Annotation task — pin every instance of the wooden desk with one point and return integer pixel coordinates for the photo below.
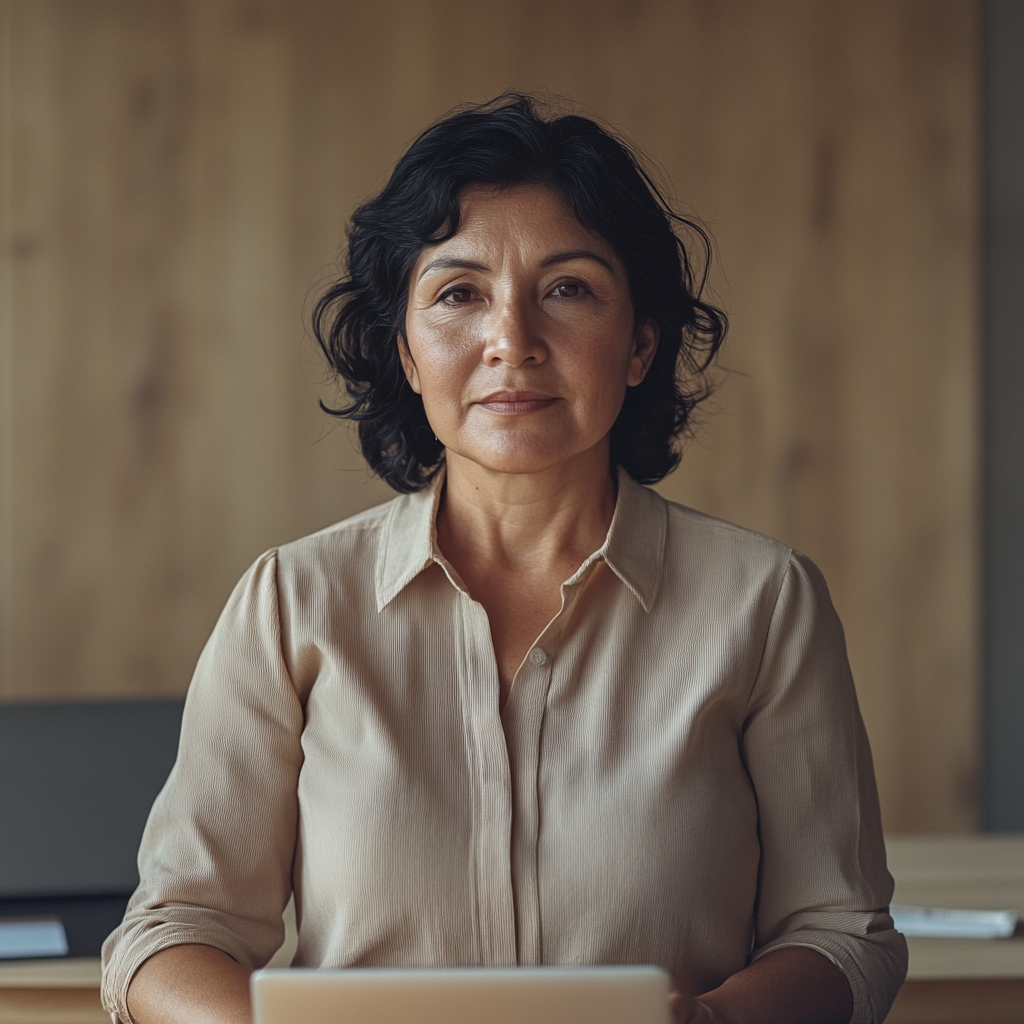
(961, 981)
(951, 981)
(68, 991)
(51, 992)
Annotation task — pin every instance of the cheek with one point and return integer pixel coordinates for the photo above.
(608, 394)
(601, 373)
(443, 368)
(440, 357)
(443, 375)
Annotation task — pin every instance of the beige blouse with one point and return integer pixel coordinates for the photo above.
(680, 774)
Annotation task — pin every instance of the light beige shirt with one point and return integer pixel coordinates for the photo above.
(680, 774)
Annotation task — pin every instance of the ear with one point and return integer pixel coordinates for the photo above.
(412, 375)
(645, 344)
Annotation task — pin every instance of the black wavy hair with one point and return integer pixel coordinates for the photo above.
(602, 180)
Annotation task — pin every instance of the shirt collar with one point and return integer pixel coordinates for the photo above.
(634, 548)
(408, 541)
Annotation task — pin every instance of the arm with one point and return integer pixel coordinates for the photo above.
(190, 985)
(216, 857)
(823, 883)
(792, 984)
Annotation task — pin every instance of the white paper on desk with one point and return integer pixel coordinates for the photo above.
(28, 937)
(936, 923)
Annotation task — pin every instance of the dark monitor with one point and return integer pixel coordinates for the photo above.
(76, 785)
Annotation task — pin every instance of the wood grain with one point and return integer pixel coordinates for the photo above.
(51, 1006)
(989, 1001)
(176, 180)
(979, 872)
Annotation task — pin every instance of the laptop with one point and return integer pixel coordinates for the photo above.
(475, 995)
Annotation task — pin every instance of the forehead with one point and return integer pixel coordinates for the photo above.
(528, 218)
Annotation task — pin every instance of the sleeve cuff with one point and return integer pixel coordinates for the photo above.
(875, 965)
(121, 965)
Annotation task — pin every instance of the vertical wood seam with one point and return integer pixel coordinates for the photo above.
(6, 352)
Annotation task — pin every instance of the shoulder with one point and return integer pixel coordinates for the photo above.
(699, 539)
(741, 566)
(731, 571)
(688, 558)
(769, 600)
(352, 533)
(339, 560)
(710, 528)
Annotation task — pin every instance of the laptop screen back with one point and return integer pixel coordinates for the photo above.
(523, 995)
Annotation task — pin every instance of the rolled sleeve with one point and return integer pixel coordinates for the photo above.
(216, 857)
(823, 882)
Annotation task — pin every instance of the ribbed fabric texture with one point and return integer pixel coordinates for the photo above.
(680, 774)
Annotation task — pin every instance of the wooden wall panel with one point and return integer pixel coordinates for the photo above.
(176, 178)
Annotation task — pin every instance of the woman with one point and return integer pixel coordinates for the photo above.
(528, 712)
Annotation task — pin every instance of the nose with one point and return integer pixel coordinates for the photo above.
(513, 337)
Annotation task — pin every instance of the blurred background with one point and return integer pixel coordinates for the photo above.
(176, 178)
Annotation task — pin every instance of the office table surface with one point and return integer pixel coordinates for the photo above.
(951, 981)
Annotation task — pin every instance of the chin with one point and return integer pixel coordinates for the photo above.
(521, 457)
(516, 466)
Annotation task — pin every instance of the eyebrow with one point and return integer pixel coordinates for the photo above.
(451, 263)
(454, 263)
(576, 254)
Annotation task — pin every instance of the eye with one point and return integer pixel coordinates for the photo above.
(567, 290)
(457, 296)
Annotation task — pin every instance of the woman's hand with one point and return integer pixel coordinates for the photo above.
(688, 1010)
(794, 984)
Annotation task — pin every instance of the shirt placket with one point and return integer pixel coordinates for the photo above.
(523, 718)
(503, 750)
(492, 792)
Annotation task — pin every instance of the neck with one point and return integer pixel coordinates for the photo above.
(511, 521)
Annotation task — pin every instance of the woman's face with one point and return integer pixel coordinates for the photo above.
(520, 333)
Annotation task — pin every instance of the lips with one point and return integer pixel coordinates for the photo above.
(516, 403)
